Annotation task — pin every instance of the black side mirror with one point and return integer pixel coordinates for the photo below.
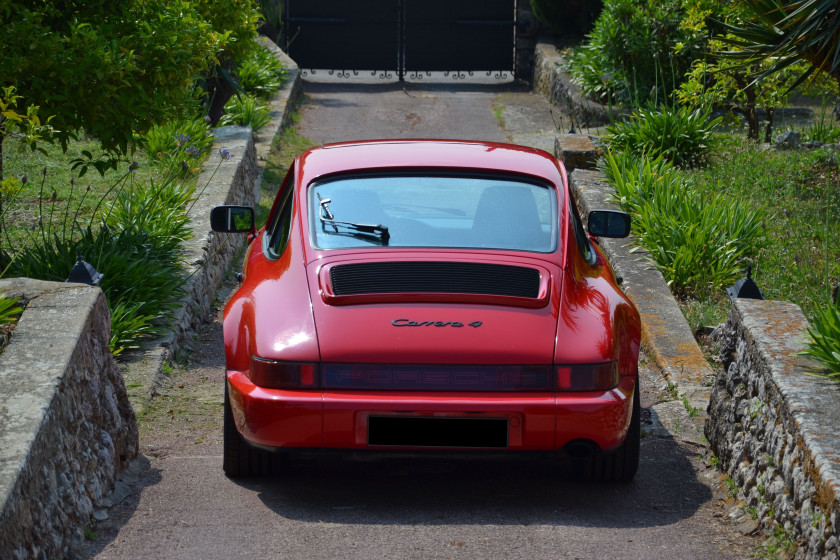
(609, 223)
(232, 219)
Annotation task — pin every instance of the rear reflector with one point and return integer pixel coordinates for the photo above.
(398, 377)
(587, 377)
(272, 374)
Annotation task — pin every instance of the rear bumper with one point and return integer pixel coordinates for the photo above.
(340, 419)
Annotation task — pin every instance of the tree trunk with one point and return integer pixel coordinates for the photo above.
(768, 131)
(752, 122)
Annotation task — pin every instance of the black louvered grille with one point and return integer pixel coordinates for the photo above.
(435, 277)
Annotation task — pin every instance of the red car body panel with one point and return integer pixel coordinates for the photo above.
(285, 310)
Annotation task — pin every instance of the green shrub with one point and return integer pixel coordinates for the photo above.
(245, 110)
(134, 241)
(697, 242)
(177, 141)
(631, 54)
(679, 134)
(111, 68)
(824, 343)
(261, 74)
(235, 22)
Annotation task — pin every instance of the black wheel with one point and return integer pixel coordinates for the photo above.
(239, 458)
(621, 464)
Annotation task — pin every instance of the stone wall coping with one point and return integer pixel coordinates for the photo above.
(666, 334)
(58, 317)
(66, 425)
(775, 428)
(208, 255)
(31, 366)
(551, 81)
(777, 329)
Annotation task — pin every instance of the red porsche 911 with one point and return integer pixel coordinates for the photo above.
(420, 295)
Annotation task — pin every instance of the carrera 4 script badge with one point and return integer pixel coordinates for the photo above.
(456, 324)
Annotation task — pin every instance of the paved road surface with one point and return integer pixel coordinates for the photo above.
(182, 506)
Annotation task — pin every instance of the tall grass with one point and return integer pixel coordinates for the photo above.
(246, 110)
(700, 243)
(681, 135)
(261, 74)
(134, 240)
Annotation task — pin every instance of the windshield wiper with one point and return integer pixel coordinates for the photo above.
(361, 231)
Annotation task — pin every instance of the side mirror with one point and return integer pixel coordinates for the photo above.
(609, 223)
(232, 219)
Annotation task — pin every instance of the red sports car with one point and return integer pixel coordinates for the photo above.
(418, 295)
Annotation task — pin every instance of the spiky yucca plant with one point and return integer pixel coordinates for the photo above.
(790, 32)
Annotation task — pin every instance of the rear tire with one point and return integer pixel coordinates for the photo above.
(240, 459)
(621, 464)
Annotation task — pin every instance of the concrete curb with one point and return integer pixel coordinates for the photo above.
(208, 256)
(666, 335)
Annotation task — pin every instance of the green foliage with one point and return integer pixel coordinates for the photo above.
(631, 54)
(236, 22)
(182, 143)
(112, 68)
(824, 129)
(136, 245)
(680, 135)
(783, 34)
(27, 124)
(697, 242)
(824, 343)
(723, 80)
(9, 309)
(245, 110)
(261, 74)
(800, 260)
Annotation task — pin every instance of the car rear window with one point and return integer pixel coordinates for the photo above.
(483, 212)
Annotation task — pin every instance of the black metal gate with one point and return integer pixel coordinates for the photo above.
(399, 38)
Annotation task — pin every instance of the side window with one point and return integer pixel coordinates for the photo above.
(278, 231)
(580, 235)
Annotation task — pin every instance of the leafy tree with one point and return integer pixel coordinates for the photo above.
(112, 68)
(630, 55)
(724, 79)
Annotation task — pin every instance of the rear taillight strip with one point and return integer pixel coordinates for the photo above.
(437, 377)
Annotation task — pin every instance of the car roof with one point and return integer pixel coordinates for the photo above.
(477, 156)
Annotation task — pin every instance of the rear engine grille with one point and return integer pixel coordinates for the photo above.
(438, 432)
(435, 277)
(397, 377)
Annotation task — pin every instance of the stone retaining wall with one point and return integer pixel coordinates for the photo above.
(775, 429)
(66, 426)
(557, 86)
(234, 179)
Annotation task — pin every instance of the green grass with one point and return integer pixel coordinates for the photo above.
(51, 172)
(776, 211)
(800, 192)
(128, 225)
(286, 147)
